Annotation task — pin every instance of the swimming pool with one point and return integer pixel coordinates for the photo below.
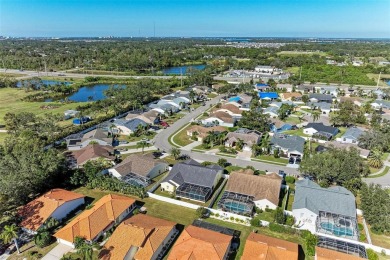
(236, 207)
(338, 231)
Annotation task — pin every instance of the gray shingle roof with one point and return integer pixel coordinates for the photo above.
(289, 142)
(353, 133)
(336, 199)
(321, 105)
(320, 127)
(321, 97)
(131, 124)
(193, 172)
(274, 110)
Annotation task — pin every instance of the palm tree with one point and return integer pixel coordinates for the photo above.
(10, 233)
(192, 95)
(315, 115)
(375, 158)
(86, 250)
(240, 144)
(142, 144)
(175, 152)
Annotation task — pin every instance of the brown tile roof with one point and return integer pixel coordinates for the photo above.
(93, 151)
(232, 108)
(277, 122)
(288, 95)
(258, 246)
(223, 116)
(142, 231)
(248, 138)
(138, 164)
(327, 254)
(94, 220)
(261, 187)
(199, 243)
(36, 212)
(203, 131)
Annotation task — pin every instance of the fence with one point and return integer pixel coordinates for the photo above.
(173, 201)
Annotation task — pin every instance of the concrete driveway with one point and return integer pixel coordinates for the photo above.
(57, 252)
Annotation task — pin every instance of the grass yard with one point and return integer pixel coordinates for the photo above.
(298, 132)
(380, 240)
(232, 168)
(11, 101)
(28, 249)
(292, 120)
(342, 131)
(290, 201)
(374, 170)
(76, 256)
(293, 70)
(267, 216)
(181, 138)
(272, 159)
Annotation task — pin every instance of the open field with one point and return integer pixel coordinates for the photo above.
(381, 82)
(11, 101)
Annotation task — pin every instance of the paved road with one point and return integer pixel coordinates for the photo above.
(383, 180)
(161, 142)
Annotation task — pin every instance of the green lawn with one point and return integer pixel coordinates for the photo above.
(27, 249)
(232, 168)
(267, 216)
(298, 132)
(181, 138)
(271, 158)
(341, 132)
(10, 101)
(149, 136)
(292, 120)
(290, 201)
(2, 137)
(373, 170)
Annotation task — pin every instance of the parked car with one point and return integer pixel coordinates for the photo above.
(164, 124)
(291, 160)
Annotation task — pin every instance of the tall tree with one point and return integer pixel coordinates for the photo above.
(10, 233)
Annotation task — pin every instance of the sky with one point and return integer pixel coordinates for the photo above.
(195, 18)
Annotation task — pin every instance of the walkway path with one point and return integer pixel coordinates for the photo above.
(191, 146)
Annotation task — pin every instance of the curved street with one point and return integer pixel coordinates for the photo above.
(161, 142)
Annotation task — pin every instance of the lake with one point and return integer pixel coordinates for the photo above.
(94, 91)
(182, 69)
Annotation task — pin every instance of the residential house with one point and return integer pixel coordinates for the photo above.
(200, 243)
(150, 117)
(268, 95)
(320, 130)
(91, 152)
(57, 204)
(261, 87)
(380, 104)
(263, 247)
(288, 145)
(231, 109)
(272, 111)
(248, 137)
(324, 107)
(139, 237)
(127, 127)
(80, 141)
(305, 88)
(92, 223)
(351, 135)
(320, 98)
(70, 114)
(245, 191)
(201, 132)
(327, 254)
(138, 169)
(325, 210)
(278, 126)
(220, 118)
(291, 96)
(191, 180)
(323, 148)
(170, 102)
(280, 104)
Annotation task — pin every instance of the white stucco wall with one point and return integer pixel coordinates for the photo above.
(166, 186)
(309, 131)
(157, 170)
(67, 207)
(262, 204)
(114, 173)
(61, 241)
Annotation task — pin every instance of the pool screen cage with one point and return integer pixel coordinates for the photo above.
(193, 192)
(342, 246)
(236, 203)
(136, 180)
(336, 223)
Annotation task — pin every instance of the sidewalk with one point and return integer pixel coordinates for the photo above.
(57, 252)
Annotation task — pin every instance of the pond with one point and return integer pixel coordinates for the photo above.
(182, 69)
(90, 93)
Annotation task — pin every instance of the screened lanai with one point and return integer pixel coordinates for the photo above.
(337, 225)
(236, 203)
(193, 192)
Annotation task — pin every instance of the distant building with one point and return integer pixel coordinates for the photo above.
(351, 135)
(265, 69)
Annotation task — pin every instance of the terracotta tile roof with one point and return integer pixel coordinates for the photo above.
(36, 212)
(138, 164)
(223, 116)
(258, 246)
(261, 187)
(200, 243)
(94, 220)
(93, 151)
(327, 254)
(142, 231)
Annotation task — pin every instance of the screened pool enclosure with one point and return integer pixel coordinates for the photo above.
(337, 225)
(236, 203)
(193, 192)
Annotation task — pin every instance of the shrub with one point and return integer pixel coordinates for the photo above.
(280, 218)
(237, 220)
(362, 238)
(290, 220)
(217, 215)
(232, 218)
(290, 179)
(136, 211)
(360, 226)
(267, 209)
(43, 239)
(372, 255)
(255, 222)
(258, 210)
(310, 243)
